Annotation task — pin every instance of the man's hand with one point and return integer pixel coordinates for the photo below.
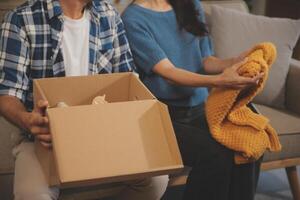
(38, 124)
(12, 109)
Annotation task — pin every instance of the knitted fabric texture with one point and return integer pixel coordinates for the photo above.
(235, 125)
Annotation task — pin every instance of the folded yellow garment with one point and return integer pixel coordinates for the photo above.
(232, 123)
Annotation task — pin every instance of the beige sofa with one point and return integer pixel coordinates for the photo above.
(286, 122)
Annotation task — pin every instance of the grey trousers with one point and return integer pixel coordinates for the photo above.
(30, 184)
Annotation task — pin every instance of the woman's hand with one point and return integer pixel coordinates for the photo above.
(230, 78)
(214, 65)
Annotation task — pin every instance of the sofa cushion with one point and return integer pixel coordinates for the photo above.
(233, 32)
(8, 136)
(287, 125)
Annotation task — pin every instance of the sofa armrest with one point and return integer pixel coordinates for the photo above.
(293, 87)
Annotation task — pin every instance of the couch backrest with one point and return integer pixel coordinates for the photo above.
(238, 5)
(234, 4)
(7, 5)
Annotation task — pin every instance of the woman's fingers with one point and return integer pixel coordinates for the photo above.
(232, 79)
(258, 77)
(253, 80)
(245, 81)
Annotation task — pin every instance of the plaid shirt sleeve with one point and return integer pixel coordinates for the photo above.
(14, 58)
(122, 58)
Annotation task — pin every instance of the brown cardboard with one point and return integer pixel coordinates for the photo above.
(130, 137)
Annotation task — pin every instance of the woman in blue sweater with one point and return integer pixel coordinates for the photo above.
(173, 54)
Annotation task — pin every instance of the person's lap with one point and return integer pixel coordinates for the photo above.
(30, 183)
(29, 180)
(214, 174)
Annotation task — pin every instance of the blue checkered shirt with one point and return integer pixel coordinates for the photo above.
(30, 45)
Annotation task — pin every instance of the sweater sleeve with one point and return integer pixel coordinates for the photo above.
(146, 51)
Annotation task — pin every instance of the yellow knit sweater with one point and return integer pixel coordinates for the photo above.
(232, 123)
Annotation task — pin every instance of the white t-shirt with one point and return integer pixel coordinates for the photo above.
(75, 45)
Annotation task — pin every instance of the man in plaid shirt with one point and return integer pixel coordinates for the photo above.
(44, 38)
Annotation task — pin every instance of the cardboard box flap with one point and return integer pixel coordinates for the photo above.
(133, 138)
(117, 87)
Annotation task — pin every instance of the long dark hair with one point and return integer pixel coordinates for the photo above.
(188, 17)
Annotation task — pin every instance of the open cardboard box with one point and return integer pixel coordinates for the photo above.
(130, 137)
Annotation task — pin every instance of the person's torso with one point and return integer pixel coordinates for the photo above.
(75, 45)
(181, 48)
(42, 23)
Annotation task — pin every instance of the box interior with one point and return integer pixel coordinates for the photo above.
(76, 91)
(148, 146)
